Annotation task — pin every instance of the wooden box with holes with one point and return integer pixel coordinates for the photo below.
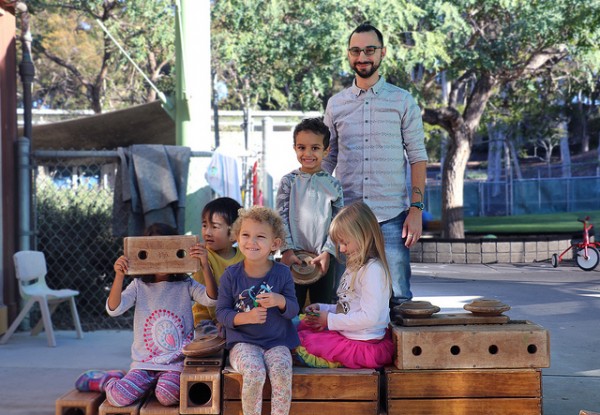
(468, 369)
(516, 344)
(160, 254)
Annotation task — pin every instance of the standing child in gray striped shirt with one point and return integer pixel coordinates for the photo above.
(307, 200)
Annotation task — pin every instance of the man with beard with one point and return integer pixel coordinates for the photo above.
(376, 134)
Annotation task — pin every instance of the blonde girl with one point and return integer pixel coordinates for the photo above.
(256, 305)
(354, 332)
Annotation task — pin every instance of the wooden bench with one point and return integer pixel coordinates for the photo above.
(463, 392)
(314, 391)
(76, 402)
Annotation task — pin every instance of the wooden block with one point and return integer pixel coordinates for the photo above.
(315, 384)
(479, 406)
(151, 406)
(450, 319)
(74, 401)
(517, 344)
(586, 412)
(312, 408)
(160, 254)
(465, 383)
(107, 409)
(209, 362)
(200, 390)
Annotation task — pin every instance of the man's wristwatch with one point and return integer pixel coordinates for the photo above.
(418, 205)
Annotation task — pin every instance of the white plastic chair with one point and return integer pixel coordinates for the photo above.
(30, 269)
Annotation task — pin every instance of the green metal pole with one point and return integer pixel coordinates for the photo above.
(192, 105)
(193, 75)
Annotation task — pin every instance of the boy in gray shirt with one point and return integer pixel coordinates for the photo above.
(307, 200)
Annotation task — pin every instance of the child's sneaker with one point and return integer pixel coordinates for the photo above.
(95, 380)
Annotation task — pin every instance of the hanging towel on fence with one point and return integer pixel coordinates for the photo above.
(223, 174)
(150, 186)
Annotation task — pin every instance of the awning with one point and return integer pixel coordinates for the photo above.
(141, 124)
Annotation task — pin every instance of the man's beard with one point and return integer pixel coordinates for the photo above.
(365, 74)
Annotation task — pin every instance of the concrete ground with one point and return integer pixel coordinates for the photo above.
(565, 300)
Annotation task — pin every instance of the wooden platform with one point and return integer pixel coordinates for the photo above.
(516, 344)
(464, 392)
(74, 401)
(314, 391)
(151, 406)
(107, 409)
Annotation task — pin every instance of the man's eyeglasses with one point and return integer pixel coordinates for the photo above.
(369, 50)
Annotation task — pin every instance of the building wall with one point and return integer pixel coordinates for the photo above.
(8, 136)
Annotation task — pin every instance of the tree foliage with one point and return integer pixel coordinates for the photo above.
(277, 54)
(460, 58)
(78, 64)
(492, 45)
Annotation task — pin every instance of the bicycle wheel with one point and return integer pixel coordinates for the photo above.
(592, 260)
(554, 260)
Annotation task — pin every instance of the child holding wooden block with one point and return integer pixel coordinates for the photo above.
(163, 324)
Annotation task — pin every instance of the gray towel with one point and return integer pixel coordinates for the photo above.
(151, 187)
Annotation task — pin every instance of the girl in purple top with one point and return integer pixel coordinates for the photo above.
(256, 305)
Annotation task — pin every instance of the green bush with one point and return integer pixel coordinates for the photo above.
(74, 230)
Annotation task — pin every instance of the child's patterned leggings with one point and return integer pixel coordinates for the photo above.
(135, 384)
(254, 363)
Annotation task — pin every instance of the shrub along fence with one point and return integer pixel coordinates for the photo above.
(72, 206)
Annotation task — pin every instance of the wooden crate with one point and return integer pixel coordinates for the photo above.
(107, 409)
(151, 406)
(160, 254)
(464, 392)
(516, 344)
(314, 391)
(86, 403)
(200, 390)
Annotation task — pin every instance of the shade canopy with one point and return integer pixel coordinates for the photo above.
(141, 124)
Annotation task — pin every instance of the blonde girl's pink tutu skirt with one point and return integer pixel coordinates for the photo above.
(331, 349)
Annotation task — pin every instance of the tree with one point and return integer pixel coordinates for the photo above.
(491, 44)
(277, 54)
(79, 63)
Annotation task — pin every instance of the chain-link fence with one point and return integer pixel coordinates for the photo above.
(519, 197)
(73, 222)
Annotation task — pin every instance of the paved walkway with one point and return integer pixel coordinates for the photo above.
(566, 301)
